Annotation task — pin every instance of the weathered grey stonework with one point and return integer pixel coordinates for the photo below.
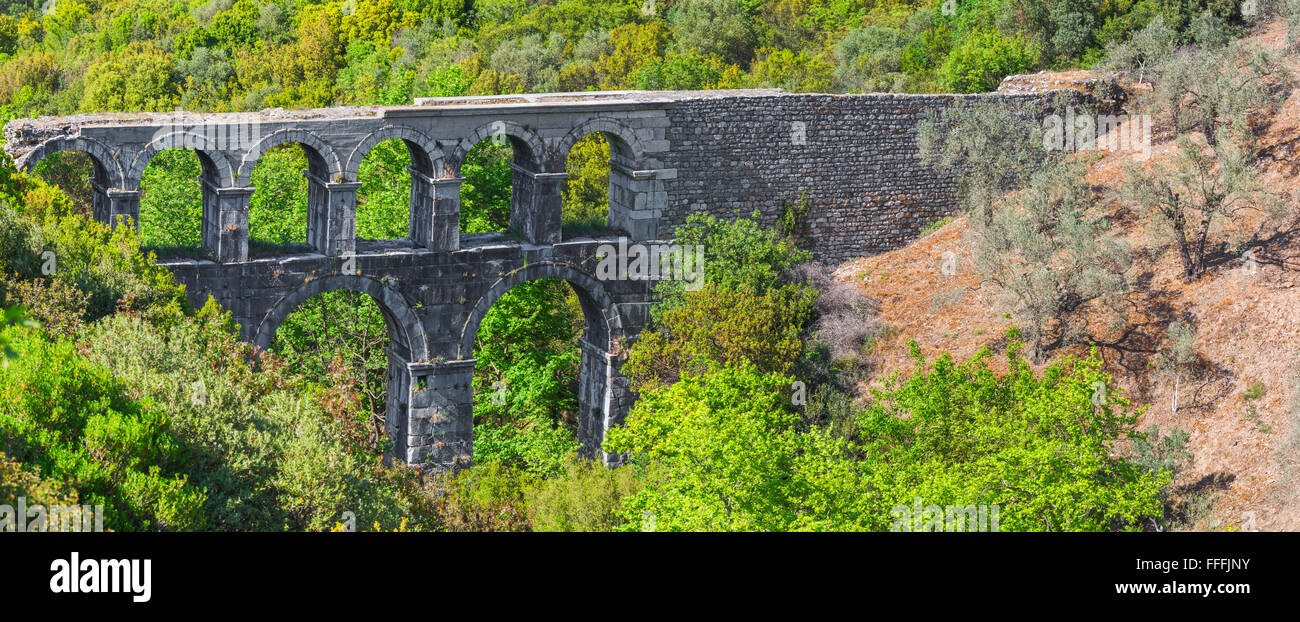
(851, 157)
(433, 302)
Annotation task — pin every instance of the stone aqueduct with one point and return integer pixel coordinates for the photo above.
(851, 158)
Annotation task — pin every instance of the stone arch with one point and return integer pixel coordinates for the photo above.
(602, 398)
(108, 168)
(530, 149)
(426, 157)
(626, 143)
(216, 168)
(321, 159)
(604, 325)
(402, 321)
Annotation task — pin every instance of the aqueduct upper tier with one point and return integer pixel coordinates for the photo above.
(851, 158)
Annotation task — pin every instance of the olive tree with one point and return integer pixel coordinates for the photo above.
(1147, 48)
(1052, 253)
(1209, 89)
(1178, 357)
(1207, 200)
(989, 148)
(1045, 245)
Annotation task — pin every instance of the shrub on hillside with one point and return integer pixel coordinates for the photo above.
(258, 440)
(845, 316)
(738, 254)
(1043, 449)
(718, 326)
(72, 421)
(586, 496)
(981, 60)
(107, 265)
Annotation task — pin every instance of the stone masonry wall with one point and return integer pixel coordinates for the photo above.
(854, 159)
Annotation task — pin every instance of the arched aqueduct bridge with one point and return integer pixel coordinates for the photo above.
(852, 158)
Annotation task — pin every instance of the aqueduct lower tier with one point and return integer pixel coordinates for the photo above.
(851, 158)
(433, 302)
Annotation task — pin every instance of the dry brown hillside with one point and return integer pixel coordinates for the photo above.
(1246, 464)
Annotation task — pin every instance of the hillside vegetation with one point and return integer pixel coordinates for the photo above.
(1014, 358)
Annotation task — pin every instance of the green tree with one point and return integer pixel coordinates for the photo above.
(384, 198)
(795, 72)
(981, 60)
(1043, 449)
(720, 28)
(630, 46)
(12, 316)
(870, 59)
(525, 377)
(485, 193)
(586, 193)
(1146, 50)
(720, 452)
(689, 71)
(137, 78)
(277, 211)
(337, 335)
(990, 149)
(171, 201)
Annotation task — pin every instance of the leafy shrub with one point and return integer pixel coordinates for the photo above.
(1041, 448)
(716, 326)
(587, 496)
(982, 59)
(260, 442)
(487, 497)
(739, 254)
(18, 480)
(107, 265)
(12, 316)
(71, 420)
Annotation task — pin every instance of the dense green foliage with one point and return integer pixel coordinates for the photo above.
(722, 451)
(120, 394)
(248, 54)
(72, 421)
(526, 378)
